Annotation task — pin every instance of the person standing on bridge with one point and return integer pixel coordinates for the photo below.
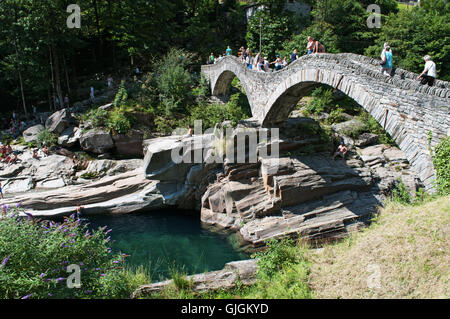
(429, 73)
(294, 56)
(211, 59)
(228, 51)
(310, 46)
(386, 58)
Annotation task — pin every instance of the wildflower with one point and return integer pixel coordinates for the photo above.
(42, 275)
(29, 215)
(5, 261)
(50, 295)
(26, 297)
(60, 279)
(18, 205)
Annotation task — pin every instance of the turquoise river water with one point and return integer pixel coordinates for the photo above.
(164, 240)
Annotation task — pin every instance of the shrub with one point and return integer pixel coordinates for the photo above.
(336, 116)
(98, 117)
(322, 101)
(48, 138)
(401, 194)
(441, 162)
(36, 255)
(121, 96)
(277, 255)
(120, 121)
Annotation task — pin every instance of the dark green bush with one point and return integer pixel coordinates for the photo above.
(48, 138)
(35, 254)
(441, 162)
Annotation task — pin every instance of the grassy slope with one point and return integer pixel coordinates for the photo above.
(408, 245)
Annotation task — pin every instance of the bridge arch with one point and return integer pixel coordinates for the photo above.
(407, 110)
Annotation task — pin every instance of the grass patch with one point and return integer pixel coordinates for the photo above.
(403, 254)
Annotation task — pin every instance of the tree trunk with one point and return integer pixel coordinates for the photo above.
(66, 73)
(52, 104)
(57, 75)
(20, 79)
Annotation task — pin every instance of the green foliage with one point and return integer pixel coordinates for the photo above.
(401, 194)
(441, 162)
(120, 121)
(416, 32)
(121, 96)
(174, 81)
(47, 138)
(275, 29)
(372, 126)
(279, 254)
(36, 255)
(336, 116)
(98, 117)
(322, 101)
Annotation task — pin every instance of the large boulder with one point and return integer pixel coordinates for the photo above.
(31, 134)
(69, 137)
(96, 141)
(129, 144)
(59, 121)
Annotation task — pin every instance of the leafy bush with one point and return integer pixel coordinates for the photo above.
(336, 116)
(35, 255)
(401, 194)
(441, 162)
(277, 255)
(120, 121)
(48, 138)
(173, 80)
(322, 101)
(121, 96)
(98, 117)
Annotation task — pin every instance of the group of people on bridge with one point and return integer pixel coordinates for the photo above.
(260, 63)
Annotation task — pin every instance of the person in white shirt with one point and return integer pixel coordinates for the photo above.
(428, 75)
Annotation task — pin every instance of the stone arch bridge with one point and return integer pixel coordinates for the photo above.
(407, 110)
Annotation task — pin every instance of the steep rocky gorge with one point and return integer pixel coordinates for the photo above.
(301, 192)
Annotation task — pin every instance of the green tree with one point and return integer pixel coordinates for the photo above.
(414, 33)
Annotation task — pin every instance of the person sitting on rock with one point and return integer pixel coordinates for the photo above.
(45, 150)
(35, 153)
(342, 150)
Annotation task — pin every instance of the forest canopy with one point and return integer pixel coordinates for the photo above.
(41, 58)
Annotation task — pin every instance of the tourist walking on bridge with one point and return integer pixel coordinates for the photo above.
(386, 60)
(228, 51)
(429, 72)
